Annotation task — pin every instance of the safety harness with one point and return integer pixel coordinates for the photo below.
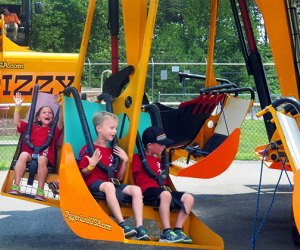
(87, 134)
(36, 150)
(162, 176)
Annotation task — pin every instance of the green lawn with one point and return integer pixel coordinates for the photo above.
(7, 152)
(253, 134)
(6, 155)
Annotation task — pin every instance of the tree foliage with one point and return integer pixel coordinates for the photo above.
(181, 35)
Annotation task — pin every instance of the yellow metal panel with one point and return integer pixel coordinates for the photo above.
(88, 221)
(8, 45)
(21, 69)
(85, 41)
(210, 75)
(276, 21)
(135, 90)
(282, 137)
(296, 199)
(134, 14)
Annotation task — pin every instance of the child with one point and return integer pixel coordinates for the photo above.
(106, 125)
(155, 141)
(39, 133)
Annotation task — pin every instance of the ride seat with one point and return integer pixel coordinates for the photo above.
(78, 142)
(51, 169)
(183, 124)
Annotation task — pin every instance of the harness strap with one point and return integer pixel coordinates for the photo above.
(33, 166)
(158, 178)
(177, 202)
(111, 176)
(36, 150)
(109, 170)
(160, 181)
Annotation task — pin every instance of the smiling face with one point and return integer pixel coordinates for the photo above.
(45, 116)
(108, 129)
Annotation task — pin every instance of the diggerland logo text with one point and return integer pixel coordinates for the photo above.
(6, 65)
(87, 220)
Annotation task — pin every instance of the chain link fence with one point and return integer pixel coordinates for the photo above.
(9, 138)
(159, 75)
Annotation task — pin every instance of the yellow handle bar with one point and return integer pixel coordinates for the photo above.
(262, 112)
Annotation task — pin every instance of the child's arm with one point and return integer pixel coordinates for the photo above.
(92, 162)
(18, 101)
(124, 158)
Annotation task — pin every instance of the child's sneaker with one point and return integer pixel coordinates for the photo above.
(183, 236)
(128, 231)
(170, 237)
(40, 195)
(14, 190)
(141, 233)
(54, 187)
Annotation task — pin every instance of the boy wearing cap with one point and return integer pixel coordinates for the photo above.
(155, 141)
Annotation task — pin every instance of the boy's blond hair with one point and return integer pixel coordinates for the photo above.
(100, 117)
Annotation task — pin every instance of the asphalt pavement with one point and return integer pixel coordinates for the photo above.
(227, 204)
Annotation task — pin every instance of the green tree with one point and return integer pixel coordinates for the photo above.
(181, 35)
(56, 29)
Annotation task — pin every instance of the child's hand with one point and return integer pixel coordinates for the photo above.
(18, 99)
(121, 153)
(95, 158)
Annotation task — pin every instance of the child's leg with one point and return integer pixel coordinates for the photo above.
(110, 192)
(15, 31)
(137, 202)
(21, 166)
(164, 209)
(42, 171)
(188, 202)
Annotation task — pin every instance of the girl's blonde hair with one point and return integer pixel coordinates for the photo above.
(100, 117)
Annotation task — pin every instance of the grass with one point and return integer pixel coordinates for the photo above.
(6, 156)
(253, 134)
(10, 137)
(7, 152)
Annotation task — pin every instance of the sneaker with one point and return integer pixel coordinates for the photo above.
(14, 190)
(141, 233)
(183, 236)
(128, 231)
(170, 237)
(54, 187)
(40, 195)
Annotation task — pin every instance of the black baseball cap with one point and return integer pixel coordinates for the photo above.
(155, 134)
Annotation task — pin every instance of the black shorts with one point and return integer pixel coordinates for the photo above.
(99, 195)
(94, 187)
(152, 195)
